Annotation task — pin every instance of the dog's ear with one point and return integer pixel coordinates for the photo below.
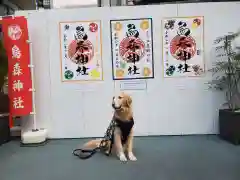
(129, 101)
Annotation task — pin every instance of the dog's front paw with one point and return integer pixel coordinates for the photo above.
(122, 157)
(131, 156)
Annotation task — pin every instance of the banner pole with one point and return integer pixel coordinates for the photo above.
(33, 86)
(36, 4)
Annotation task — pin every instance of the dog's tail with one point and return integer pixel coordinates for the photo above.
(92, 144)
(91, 147)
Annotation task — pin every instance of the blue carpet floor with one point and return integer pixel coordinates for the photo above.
(159, 158)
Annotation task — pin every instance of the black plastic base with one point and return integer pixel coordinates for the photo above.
(229, 126)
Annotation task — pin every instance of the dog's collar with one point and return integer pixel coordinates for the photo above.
(127, 121)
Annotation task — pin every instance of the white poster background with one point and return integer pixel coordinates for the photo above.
(145, 35)
(196, 33)
(95, 65)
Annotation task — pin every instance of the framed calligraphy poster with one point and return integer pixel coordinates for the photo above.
(132, 49)
(15, 35)
(183, 45)
(81, 51)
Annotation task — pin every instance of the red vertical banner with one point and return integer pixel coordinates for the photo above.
(15, 35)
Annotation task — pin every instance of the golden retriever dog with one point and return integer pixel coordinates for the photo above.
(123, 132)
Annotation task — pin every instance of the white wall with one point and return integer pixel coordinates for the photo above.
(72, 3)
(168, 106)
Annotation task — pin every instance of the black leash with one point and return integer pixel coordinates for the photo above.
(87, 153)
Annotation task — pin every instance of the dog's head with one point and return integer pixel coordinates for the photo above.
(121, 100)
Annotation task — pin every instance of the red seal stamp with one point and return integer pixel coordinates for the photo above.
(131, 49)
(93, 27)
(14, 32)
(182, 46)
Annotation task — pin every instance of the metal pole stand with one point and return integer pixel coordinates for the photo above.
(36, 136)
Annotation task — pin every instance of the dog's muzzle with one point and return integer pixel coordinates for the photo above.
(116, 108)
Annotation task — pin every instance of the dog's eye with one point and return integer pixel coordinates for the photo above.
(119, 97)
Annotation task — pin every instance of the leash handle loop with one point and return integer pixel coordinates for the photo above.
(84, 153)
(87, 153)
